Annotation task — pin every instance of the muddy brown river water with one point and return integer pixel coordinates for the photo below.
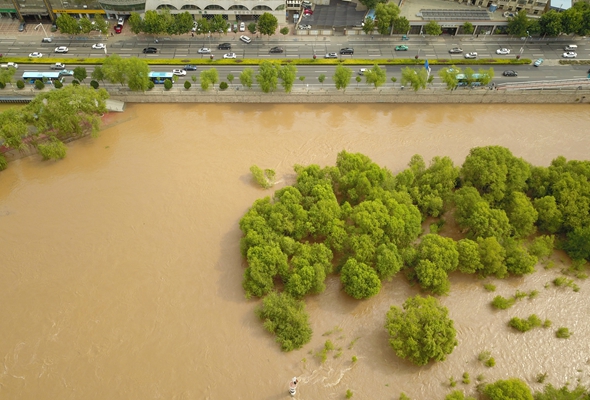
(120, 275)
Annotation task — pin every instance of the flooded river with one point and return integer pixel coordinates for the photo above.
(121, 272)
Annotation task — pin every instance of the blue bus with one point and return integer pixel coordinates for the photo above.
(476, 79)
(47, 77)
(160, 77)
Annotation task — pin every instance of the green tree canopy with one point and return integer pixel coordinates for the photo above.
(267, 24)
(550, 23)
(416, 78)
(13, 128)
(72, 111)
(437, 256)
(68, 24)
(510, 389)
(401, 25)
(342, 77)
(433, 28)
(135, 23)
(519, 24)
(247, 77)
(468, 28)
(288, 74)
(286, 318)
(422, 331)
(369, 25)
(268, 76)
(494, 171)
(375, 76)
(359, 280)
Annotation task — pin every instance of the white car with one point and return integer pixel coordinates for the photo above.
(99, 46)
(242, 27)
(503, 51)
(245, 39)
(204, 50)
(121, 21)
(35, 55)
(229, 55)
(61, 49)
(179, 72)
(471, 55)
(570, 54)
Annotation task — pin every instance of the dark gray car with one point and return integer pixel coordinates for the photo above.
(22, 26)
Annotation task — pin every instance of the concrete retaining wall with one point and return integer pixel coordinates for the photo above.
(352, 96)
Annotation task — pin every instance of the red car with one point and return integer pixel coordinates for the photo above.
(307, 11)
(118, 28)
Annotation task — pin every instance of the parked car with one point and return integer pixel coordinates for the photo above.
(245, 39)
(118, 28)
(347, 50)
(179, 72)
(150, 50)
(331, 55)
(402, 47)
(538, 62)
(304, 26)
(46, 40)
(36, 55)
(121, 21)
(204, 50)
(276, 50)
(99, 46)
(224, 46)
(190, 67)
(510, 73)
(22, 26)
(61, 49)
(57, 66)
(471, 55)
(307, 11)
(242, 27)
(503, 51)
(305, 3)
(456, 50)
(570, 54)
(229, 55)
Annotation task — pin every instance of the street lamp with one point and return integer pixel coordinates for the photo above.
(42, 27)
(525, 39)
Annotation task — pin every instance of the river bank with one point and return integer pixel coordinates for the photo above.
(324, 95)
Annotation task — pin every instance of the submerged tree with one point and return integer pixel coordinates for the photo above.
(422, 331)
(286, 318)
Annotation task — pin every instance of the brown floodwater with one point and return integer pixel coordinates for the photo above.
(121, 272)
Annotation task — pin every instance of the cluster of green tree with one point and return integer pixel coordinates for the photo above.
(57, 115)
(73, 26)
(516, 389)
(6, 76)
(163, 22)
(575, 20)
(421, 332)
(131, 71)
(364, 220)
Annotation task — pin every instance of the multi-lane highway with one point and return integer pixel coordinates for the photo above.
(294, 47)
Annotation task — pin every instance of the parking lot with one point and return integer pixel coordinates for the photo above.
(337, 15)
